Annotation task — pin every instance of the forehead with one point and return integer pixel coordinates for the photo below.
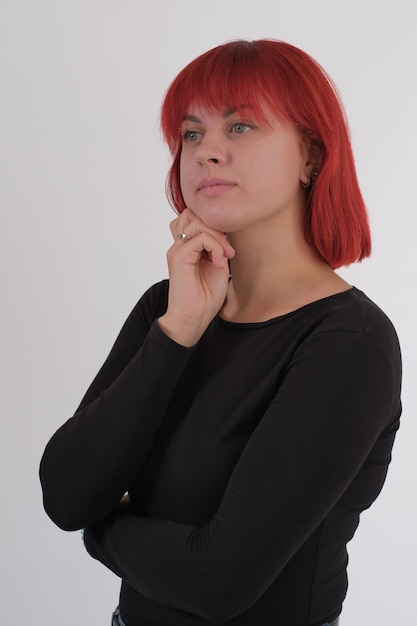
(196, 112)
(259, 113)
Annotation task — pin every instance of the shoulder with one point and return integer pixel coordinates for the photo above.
(354, 312)
(152, 304)
(350, 323)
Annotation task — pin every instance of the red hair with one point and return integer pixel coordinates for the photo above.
(273, 75)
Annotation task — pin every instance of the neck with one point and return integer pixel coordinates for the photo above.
(275, 271)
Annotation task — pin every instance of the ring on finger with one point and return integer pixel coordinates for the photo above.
(183, 236)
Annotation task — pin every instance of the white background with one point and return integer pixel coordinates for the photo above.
(84, 229)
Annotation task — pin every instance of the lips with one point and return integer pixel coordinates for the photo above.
(213, 186)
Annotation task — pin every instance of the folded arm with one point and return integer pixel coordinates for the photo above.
(316, 435)
(92, 460)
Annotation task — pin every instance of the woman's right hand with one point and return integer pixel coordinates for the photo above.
(198, 278)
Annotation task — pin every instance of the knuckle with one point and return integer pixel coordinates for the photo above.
(173, 224)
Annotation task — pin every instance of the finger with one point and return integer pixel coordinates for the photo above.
(203, 246)
(180, 222)
(182, 236)
(184, 230)
(212, 250)
(193, 231)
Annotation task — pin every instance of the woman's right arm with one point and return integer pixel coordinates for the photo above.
(94, 457)
(91, 461)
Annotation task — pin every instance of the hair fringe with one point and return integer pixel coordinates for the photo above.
(275, 75)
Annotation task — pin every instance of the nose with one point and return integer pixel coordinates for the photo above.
(211, 150)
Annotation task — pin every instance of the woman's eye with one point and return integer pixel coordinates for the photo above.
(240, 127)
(190, 135)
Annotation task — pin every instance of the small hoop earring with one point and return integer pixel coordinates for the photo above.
(311, 180)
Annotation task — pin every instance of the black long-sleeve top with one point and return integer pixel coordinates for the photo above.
(248, 459)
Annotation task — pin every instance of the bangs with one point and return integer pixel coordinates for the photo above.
(277, 80)
(235, 77)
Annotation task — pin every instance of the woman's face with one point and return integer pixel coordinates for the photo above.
(235, 172)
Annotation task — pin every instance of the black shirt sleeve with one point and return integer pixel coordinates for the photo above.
(93, 458)
(337, 403)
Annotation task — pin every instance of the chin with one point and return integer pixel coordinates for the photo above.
(216, 217)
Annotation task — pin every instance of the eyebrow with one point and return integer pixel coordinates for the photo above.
(226, 113)
(191, 118)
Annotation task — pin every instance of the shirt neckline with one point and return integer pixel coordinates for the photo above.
(278, 318)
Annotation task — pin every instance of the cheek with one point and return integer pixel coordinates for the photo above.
(283, 167)
(185, 191)
(187, 179)
(184, 177)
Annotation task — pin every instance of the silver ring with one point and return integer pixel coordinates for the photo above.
(183, 236)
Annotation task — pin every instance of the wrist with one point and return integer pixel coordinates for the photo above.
(185, 333)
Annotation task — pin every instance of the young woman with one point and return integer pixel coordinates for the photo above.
(249, 406)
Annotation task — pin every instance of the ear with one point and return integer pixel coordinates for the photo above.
(314, 158)
(311, 165)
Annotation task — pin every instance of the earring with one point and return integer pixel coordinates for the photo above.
(311, 180)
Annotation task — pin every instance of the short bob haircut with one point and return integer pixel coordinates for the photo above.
(274, 76)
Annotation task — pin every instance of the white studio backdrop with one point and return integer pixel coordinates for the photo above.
(84, 230)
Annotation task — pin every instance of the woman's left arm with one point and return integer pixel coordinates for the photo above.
(340, 393)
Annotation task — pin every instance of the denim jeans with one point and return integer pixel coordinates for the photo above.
(116, 620)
